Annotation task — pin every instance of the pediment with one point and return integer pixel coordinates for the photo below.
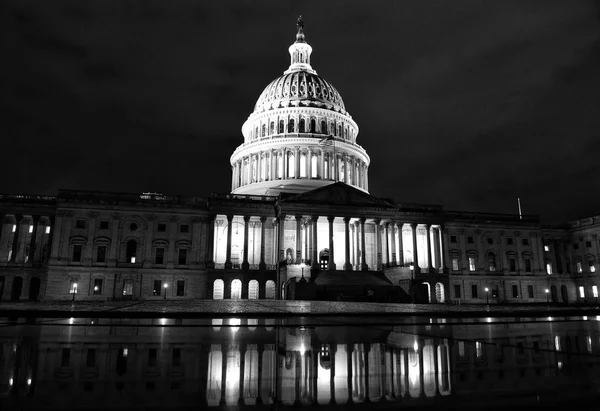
(338, 194)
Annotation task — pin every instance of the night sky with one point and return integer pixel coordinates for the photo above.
(465, 104)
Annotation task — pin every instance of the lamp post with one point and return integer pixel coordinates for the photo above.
(547, 296)
(487, 295)
(73, 292)
(165, 295)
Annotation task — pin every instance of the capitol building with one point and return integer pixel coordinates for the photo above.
(299, 223)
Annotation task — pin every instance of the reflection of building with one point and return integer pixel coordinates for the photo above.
(187, 362)
(299, 223)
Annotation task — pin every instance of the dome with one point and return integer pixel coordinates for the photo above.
(300, 88)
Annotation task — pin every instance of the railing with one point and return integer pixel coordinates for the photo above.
(252, 267)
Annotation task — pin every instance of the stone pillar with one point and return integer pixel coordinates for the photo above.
(436, 247)
(242, 349)
(281, 237)
(298, 239)
(347, 264)
(171, 258)
(349, 349)
(315, 248)
(400, 245)
(196, 238)
(332, 354)
(210, 243)
(40, 240)
(64, 236)
(147, 257)
(15, 242)
(55, 235)
(393, 235)
(421, 368)
(387, 244)
(367, 348)
(285, 164)
(331, 265)
(364, 266)
(228, 250)
(346, 169)
(415, 253)
(245, 264)
(378, 243)
(33, 245)
(262, 266)
(357, 263)
(89, 244)
(297, 162)
(224, 350)
(429, 262)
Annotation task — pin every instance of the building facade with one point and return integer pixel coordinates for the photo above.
(299, 223)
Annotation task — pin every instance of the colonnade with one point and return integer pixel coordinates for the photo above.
(268, 127)
(25, 238)
(299, 163)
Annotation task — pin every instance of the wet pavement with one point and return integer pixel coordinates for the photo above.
(206, 308)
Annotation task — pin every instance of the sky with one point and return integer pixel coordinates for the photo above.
(464, 104)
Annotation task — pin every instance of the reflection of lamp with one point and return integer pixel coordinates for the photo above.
(487, 295)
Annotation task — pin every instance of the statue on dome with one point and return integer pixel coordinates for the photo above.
(300, 23)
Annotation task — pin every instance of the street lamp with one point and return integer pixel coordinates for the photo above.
(165, 286)
(487, 295)
(74, 291)
(547, 296)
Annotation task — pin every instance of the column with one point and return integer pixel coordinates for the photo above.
(233, 177)
(245, 265)
(404, 354)
(393, 235)
(309, 238)
(224, 350)
(210, 243)
(387, 244)
(281, 237)
(33, 245)
(357, 263)
(50, 241)
(15, 243)
(63, 246)
(147, 258)
(228, 250)
(345, 169)
(40, 240)
(315, 251)
(259, 167)
(349, 349)
(415, 254)
(421, 368)
(347, 264)
(285, 164)
(331, 265)
(378, 242)
(429, 262)
(332, 354)
(297, 162)
(298, 239)
(320, 165)
(364, 266)
(366, 178)
(89, 244)
(262, 266)
(242, 349)
(196, 238)
(306, 238)
(400, 245)
(436, 247)
(171, 257)
(367, 349)
(436, 367)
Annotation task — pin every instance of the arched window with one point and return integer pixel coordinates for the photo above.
(303, 166)
(302, 126)
(255, 132)
(253, 290)
(264, 130)
(272, 128)
(281, 126)
(131, 251)
(339, 131)
(313, 125)
(270, 290)
(323, 127)
(236, 290)
(291, 126)
(492, 261)
(313, 166)
(218, 288)
(253, 172)
(440, 295)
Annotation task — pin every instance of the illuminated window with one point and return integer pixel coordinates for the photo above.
(591, 266)
(581, 292)
(546, 248)
(588, 341)
(30, 229)
(218, 289)
(595, 291)
(548, 268)
(236, 289)
(461, 348)
(557, 343)
(253, 290)
(48, 229)
(579, 267)
(478, 349)
(492, 261)
(97, 286)
(73, 287)
(14, 228)
(303, 166)
(472, 264)
(313, 167)
(455, 263)
(291, 165)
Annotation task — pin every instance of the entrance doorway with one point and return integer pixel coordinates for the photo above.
(16, 289)
(324, 259)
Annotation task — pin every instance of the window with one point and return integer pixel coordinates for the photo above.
(180, 288)
(588, 244)
(548, 268)
(184, 228)
(515, 291)
(14, 228)
(281, 126)
(101, 255)
(48, 229)
(455, 263)
(490, 241)
(478, 349)
(30, 229)
(291, 126)
(103, 224)
(152, 354)
(65, 358)
(453, 239)
(528, 265)
(546, 248)
(128, 287)
(77, 250)
(461, 348)
(591, 266)
(470, 240)
(79, 224)
(157, 287)
(97, 286)
(575, 246)
(579, 267)
(159, 258)
(509, 241)
(492, 261)
(91, 358)
(131, 251)
(530, 291)
(176, 357)
(133, 227)
(73, 287)
(457, 291)
(182, 260)
(512, 265)
(161, 227)
(474, 293)
(595, 291)
(581, 292)
(472, 264)
(526, 241)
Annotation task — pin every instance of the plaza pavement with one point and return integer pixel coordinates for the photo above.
(277, 308)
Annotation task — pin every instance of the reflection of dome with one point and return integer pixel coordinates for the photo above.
(299, 89)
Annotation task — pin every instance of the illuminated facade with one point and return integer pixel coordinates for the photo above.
(299, 223)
